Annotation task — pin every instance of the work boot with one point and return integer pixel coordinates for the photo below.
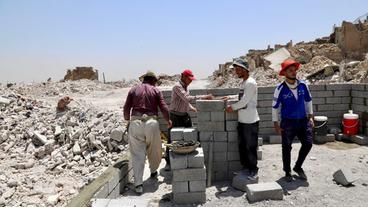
(253, 175)
(300, 173)
(154, 174)
(288, 177)
(138, 189)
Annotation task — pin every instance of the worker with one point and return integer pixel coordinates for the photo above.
(180, 105)
(248, 119)
(141, 110)
(293, 98)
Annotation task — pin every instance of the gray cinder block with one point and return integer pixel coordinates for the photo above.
(264, 191)
(210, 105)
(189, 174)
(178, 161)
(196, 158)
(177, 134)
(240, 181)
(190, 134)
(344, 177)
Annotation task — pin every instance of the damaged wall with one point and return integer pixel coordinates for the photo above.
(352, 39)
(81, 73)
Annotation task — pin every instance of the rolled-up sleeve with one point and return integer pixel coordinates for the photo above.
(128, 106)
(182, 94)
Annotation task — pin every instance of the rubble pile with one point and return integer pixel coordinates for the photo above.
(47, 156)
(48, 89)
(325, 60)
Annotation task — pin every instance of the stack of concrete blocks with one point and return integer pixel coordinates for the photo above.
(219, 129)
(188, 170)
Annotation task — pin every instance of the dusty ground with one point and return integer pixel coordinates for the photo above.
(320, 190)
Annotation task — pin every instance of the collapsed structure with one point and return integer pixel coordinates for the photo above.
(340, 57)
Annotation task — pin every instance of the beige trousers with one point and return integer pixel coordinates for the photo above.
(144, 140)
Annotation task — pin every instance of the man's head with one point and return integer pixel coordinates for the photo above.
(149, 78)
(187, 77)
(241, 68)
(289, 68)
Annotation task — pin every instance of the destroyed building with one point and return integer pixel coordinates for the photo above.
(81, 73)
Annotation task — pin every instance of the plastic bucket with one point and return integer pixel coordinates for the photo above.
(350, 123)
(320, 125)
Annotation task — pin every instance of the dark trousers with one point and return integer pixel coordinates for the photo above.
(248, 143)
(303, 130)
(177, 121)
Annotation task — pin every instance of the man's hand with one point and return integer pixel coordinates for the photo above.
(311, 121)
(209, 97)
(169, 124)
(229, 109)
(278, 129)
(225, 98)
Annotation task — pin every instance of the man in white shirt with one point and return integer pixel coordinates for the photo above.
(248, 119)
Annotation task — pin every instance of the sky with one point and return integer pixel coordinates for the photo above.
(123, 39)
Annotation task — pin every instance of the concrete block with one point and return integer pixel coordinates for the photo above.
(220, 156)
(196, 159)
(197, 186)
(346, 100)
(220, 175)
(210, 105)
(232, 136)
(190, 134)
(220, 136)
(264, 104)
(321, 87)
(322, 94)
(325, 107)
(333, 100)
(265, 96)
(232, 156)
(264, 191)
(176, 134)
(260, 141)
(358, 139)
(233, 116)
(190, 174)
(341, 107)
(189, 198)
(342, 93)
(205, 136)
(115, 193)
(318, 100)
(324, 139)
(231, 125)
(356, 100)
(233, 147)
(220, 147)
(240, 181)
(211, 126)
(338, 87)
(178, 161)
(275, 139)
(344, 177)
(204, 116)
(218, 116)
(259, 153)
(269, 89)
(265, 110)
(358, 87)
(180, 187)
(103, 192)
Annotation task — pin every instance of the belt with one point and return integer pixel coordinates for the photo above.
(144, 117)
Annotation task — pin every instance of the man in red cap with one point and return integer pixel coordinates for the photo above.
(294, 100)
(180, 105)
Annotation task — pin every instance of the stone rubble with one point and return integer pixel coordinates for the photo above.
(47, 156)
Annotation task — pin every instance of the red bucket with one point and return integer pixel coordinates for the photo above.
(351, 123)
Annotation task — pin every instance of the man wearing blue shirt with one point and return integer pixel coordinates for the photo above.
(294, 100)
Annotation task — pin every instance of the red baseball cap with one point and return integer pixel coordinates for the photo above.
(287, 63)
(188, 73)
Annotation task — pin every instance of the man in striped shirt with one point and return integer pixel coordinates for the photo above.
(180, 105)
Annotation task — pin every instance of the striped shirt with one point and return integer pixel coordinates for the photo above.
(180, 98)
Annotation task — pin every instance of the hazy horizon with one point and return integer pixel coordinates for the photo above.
(42, 39)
